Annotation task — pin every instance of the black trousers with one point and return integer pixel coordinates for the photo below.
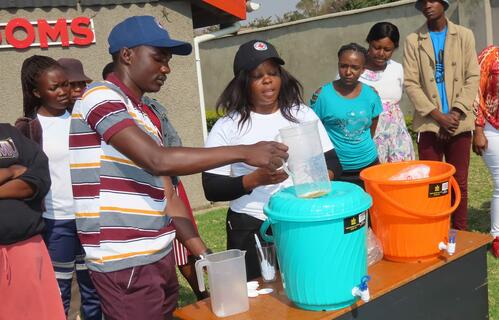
(241, 229)
(353, 176)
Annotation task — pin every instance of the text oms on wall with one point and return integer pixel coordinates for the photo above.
(20, 33)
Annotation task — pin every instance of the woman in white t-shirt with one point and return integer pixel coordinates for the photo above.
(46, 99)
(261, 98)
(386, 76)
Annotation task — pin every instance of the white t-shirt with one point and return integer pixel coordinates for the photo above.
(59, 200)
(388, 83)
(262, 127)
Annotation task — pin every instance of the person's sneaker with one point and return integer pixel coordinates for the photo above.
(495, 247)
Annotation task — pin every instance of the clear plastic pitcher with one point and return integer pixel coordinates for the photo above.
(306, 163)
(227, 281)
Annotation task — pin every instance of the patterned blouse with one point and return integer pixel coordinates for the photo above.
(487, 100)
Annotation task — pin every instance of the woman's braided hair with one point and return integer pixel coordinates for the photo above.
(31, 70)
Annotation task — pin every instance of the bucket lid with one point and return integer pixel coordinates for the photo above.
(345, 199)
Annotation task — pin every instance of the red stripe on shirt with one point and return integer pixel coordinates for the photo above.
(130, 186)
(103, 110)
(90, 139)
(86, 190)
(125, 234)
(122, 234)
(89, 238)
(116, 128)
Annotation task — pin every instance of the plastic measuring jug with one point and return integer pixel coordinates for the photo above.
(226, 280)
(306, 163)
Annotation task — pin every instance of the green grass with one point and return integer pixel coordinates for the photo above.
(479, 195)
(212, 228)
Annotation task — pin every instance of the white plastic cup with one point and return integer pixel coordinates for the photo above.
(267, 261)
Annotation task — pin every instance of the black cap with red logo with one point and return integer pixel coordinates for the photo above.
(252, 53)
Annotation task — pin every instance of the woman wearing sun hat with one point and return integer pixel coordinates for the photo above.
(76, 76)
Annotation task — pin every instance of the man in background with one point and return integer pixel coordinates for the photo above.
(441, 79)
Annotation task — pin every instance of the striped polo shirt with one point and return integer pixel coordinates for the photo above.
(119, 206)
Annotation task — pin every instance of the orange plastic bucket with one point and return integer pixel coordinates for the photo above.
(411, 217)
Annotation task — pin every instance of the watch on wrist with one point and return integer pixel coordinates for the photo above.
(204, 254)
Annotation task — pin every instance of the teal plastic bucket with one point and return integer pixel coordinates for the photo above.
(320, 244)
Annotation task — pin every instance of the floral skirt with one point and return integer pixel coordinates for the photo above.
(393, 141)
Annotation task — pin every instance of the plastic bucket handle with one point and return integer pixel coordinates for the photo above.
(454, 185)
(263, 231)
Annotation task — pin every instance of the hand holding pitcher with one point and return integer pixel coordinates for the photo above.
(263, 177)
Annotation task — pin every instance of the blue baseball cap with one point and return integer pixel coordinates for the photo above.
(445, 3)
(144, 31)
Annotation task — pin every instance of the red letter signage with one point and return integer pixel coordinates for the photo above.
(22, 24)
(81, 26)
(53, 32)
(61, 32)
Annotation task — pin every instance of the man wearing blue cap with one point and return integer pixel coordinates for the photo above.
(125, 211)
(441, 79)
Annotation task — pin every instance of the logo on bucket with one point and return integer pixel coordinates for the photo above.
(438, 189)
(354, 223)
